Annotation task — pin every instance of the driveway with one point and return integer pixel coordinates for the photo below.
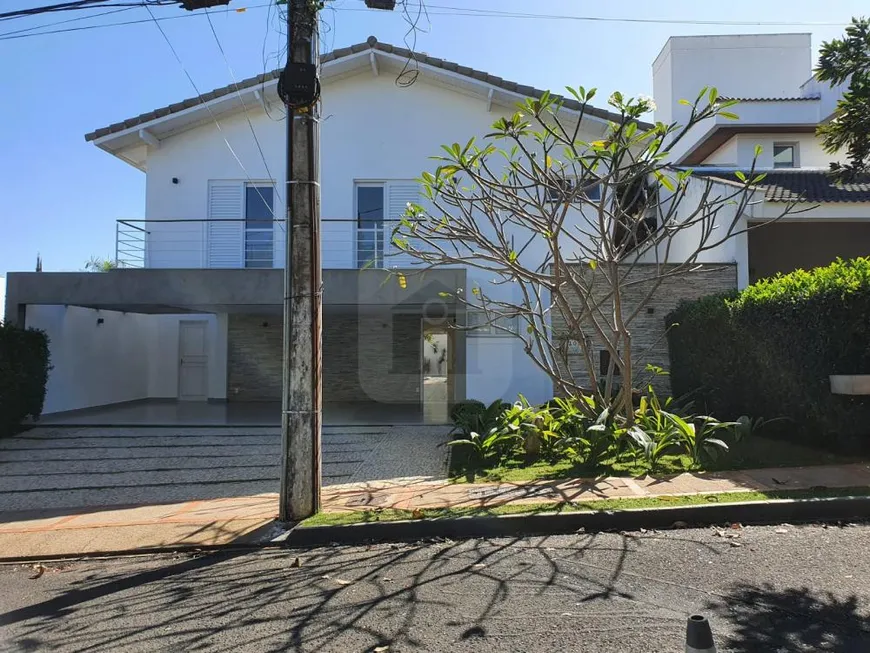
(48, 468)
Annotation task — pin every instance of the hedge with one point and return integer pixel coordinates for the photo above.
(24, 366)
(768, 351)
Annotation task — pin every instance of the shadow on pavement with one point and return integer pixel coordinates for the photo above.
(764, 618)
(585, 593)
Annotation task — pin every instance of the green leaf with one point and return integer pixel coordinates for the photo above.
(740, 175)
(728, 115)
(665, 181)
(758, 151)
(593, 263)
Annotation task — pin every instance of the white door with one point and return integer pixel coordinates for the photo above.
(192, 361)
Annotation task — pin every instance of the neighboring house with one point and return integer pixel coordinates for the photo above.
(780, 106)
(199, 314)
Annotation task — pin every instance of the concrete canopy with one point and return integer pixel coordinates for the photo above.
(161, 291)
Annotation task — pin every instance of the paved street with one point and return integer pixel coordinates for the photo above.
(769, 589)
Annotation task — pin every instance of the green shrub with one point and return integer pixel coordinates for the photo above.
(768, 351)
(574, 430)
(24, 366)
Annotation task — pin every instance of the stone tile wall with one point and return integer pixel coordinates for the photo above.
(366, 357)
(649, 344)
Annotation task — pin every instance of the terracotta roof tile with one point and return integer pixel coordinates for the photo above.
(370, 43)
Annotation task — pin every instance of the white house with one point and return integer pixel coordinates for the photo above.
(195, 312)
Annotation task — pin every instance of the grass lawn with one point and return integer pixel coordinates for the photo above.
(387, 515)
(751, 453)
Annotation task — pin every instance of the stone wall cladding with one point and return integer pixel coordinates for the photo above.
(649, 344)
(366, 357)
(254, 358)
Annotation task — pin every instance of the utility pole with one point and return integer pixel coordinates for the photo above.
(299, 88)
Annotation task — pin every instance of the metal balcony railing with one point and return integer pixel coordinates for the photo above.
(235, 243)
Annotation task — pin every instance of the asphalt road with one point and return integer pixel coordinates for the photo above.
(782, 589)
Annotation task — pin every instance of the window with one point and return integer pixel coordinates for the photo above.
(370, 209)
(566, 187)
(784, 155)
(479, 325)
(259, 220)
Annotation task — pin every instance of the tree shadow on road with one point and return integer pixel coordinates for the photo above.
(330, 599)
(768, 619)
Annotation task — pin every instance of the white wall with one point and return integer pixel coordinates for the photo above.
(372, 131)
(93, 364)
(128, 356)
(739, 151)
(498, 368)
(744, 65)
(194, 157)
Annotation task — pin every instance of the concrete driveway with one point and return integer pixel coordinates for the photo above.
(48, 468)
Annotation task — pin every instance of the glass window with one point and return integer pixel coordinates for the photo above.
(783, 156)
(369, 205)
(370, 226)
(566, 186)
(259, 220)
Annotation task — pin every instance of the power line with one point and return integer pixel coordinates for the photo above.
(244, 107)
(8, 36)
(76, 5)
(444, 10)
(208, 108)
(68, 20)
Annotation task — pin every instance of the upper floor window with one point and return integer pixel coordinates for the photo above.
(370, 210)
(567, 185)
(784, 155)
(259, 220)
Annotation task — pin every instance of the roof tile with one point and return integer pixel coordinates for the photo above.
(370, 43)
(807, 186)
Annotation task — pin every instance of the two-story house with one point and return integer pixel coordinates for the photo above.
(194, 312)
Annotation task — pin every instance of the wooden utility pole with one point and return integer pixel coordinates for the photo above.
(299, 87)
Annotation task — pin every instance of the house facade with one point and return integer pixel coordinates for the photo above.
(194, 312)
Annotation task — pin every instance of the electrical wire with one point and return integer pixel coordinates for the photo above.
(76, 5)
(266, 67)
(244, 107)
(446, 10)
(411, 69)
(68, 20)
(8, 36)
(208, 108)
(441, 10)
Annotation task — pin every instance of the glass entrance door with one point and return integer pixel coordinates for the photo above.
(437, 366)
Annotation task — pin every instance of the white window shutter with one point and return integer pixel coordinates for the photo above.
(399, 194)
(226, 231)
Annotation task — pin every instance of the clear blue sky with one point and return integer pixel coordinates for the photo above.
(61, 196)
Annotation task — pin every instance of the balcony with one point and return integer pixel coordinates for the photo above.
(346, 244)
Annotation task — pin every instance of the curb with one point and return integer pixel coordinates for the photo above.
(553, 523)
(854, 508)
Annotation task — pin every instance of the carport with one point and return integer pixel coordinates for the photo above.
(204, 347)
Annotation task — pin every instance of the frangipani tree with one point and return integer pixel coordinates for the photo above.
(553, 228)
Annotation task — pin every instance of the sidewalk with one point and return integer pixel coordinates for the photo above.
(245, 520)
